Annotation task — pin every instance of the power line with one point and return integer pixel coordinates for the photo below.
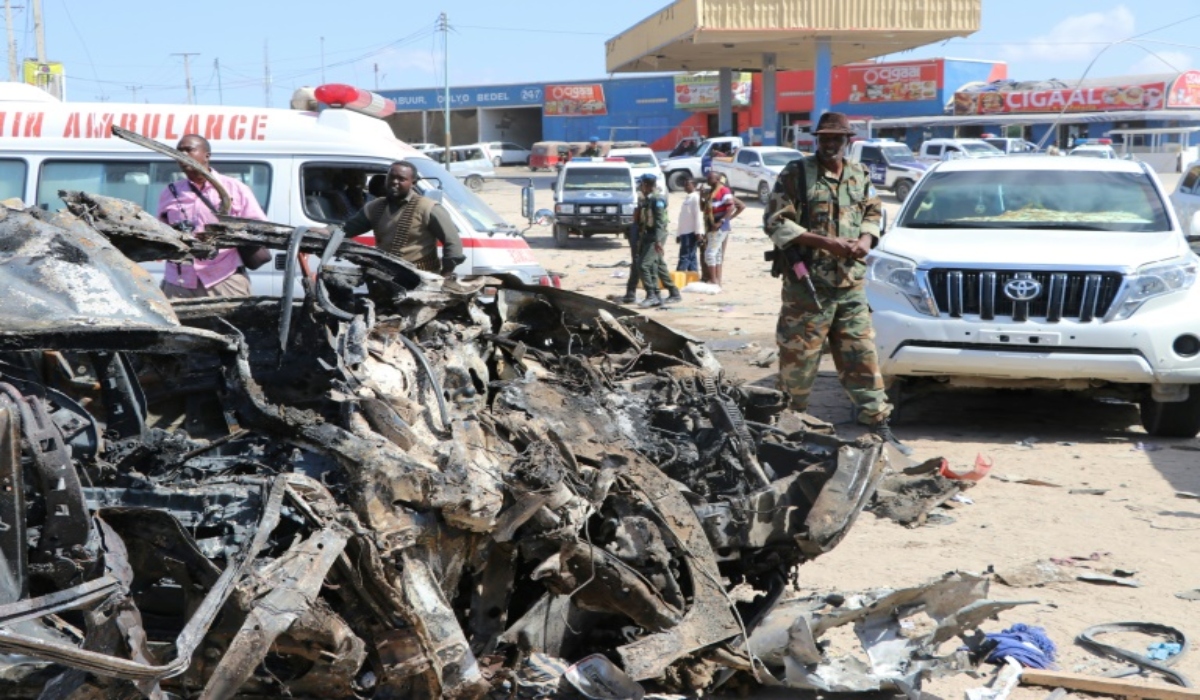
(537, 31)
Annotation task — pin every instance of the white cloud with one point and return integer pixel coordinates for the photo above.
(1162, 62)
(1076, 38)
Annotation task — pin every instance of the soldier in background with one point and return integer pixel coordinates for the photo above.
(824, 218)
(652, 226)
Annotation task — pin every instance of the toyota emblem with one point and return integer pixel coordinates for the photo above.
(1022, 289)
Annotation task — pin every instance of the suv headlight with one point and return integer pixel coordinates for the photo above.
(1154, 280)
(627, 209)
(901, 275)
(564, 208)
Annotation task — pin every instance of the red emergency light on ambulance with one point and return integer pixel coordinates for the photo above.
(310, 168)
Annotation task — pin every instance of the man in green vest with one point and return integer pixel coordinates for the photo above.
(408, 225)
(824, 218)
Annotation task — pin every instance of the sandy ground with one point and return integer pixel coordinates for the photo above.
(1138, 523)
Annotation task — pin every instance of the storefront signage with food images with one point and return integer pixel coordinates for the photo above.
(575, 100)
(1088, 99)
(703, 90)
(1185, 91)
(887, 82)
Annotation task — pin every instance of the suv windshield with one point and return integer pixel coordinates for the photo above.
(467, 203)
(897, 154)
(638, 160)
(780, 157)
(1037, 199)
(597, 179)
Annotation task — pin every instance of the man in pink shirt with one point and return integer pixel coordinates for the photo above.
(190, 205)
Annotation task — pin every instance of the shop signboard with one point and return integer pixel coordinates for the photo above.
(703, 90)
(586, 100)
(1102, 98)
(914, 81)
(1185, 91)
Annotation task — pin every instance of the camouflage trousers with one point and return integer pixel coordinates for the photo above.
(652, 269)
(845, 319)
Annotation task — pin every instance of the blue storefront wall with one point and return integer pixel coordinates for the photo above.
(638, 109)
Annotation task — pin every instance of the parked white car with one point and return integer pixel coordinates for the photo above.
(471, 164)
(507, 153)
(755, 168)
(1042, 273)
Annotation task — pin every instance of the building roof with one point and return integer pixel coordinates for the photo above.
(697, 35)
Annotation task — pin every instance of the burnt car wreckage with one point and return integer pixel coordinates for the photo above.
(405, 493)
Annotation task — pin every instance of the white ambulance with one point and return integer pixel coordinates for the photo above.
(306, 168)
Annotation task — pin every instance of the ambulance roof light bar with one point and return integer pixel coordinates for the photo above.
(340, 96)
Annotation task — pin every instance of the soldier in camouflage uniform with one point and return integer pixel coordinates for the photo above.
(652, 229)
(825, 213)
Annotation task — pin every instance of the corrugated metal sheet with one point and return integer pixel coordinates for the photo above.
(711, 34)
(840, 15)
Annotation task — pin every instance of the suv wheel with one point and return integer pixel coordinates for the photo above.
(562, 236)
(474, 183)
(902, 189)
(764, 192)
(675, 180)
(496, 162)
(1177, 419)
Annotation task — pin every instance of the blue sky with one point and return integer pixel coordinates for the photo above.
(111, 48)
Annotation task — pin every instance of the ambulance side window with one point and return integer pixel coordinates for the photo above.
(334, 192)
(12, 179)
(140, 182)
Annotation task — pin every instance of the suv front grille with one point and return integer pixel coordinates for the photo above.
(1073, 296)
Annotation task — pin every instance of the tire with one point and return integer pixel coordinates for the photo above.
(562, 236)
(764, 192)
(496, 162)
(901, 190)
(675, 180)
(474, 183)
(1179, 419)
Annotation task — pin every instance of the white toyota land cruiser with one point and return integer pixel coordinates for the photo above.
(1055, 273)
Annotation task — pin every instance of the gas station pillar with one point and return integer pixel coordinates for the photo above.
(822, 79)
(770, 117)
(725, 101)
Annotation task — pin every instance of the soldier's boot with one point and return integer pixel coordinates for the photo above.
(652, 300)
(884, 432)
(674, 297)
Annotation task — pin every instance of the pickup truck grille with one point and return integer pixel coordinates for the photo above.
(1053, 296)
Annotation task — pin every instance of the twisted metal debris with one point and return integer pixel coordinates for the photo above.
(408, 492)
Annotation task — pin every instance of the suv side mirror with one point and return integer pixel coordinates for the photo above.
(527, 202)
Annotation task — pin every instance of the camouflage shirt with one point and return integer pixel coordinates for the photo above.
(652, 217)
(839, 208)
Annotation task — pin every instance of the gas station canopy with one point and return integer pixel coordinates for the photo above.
(704, 35)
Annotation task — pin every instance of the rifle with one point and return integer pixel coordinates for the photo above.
(793, 257)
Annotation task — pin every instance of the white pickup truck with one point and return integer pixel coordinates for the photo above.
(693, 156)
(937, 150)
(755, 168)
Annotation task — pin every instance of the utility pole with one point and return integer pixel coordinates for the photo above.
(322, 60)
(444, 26)
(220, 91)
(187, 74)
(266, 75)
(134, 89)
(13, 71)
(376, 77)
(39, 31)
